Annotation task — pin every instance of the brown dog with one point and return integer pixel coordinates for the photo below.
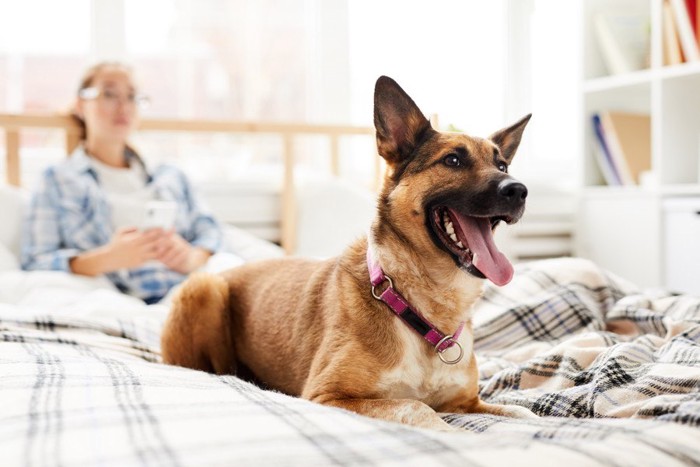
(322, 331)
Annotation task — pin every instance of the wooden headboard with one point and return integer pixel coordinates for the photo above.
(13, 124)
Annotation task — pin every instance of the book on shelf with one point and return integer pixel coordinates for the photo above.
(693, 14)
(697, 21)
(623, 39)
(602, 155)
(671, 42)
(686, 30)
(627, 136)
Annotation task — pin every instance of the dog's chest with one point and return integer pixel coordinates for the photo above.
(424, 376)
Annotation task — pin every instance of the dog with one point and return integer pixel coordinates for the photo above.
(384, 329)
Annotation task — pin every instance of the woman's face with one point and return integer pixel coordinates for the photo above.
(110, 106)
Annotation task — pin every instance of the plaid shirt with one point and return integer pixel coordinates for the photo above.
(70, 213)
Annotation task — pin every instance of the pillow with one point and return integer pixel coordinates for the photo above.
(50, 289)
(247, 246)
(331, 214)
(13, 202)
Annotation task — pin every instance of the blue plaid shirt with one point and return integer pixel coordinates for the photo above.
(69, 214)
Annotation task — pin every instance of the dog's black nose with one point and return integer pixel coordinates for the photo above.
(512, 190)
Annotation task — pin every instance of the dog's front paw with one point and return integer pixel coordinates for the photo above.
(517, 411)
(513, 411)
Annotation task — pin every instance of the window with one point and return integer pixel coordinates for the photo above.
(543, 78)
(312, 60)
(36, 46)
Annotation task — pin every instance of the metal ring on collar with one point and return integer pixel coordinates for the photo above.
(391, 284)
(439, 352)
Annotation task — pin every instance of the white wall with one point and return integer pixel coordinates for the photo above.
(447, 54)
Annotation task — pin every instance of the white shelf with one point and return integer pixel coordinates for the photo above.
(602, 191)
(624, 228)
(680, 71)
(617, 82)
(680, 190)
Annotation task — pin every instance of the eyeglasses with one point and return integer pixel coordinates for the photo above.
(112, 97)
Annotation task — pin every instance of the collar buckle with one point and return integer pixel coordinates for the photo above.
(452, 341)
(391, 286)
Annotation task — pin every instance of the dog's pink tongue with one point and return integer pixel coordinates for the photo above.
(479, 237)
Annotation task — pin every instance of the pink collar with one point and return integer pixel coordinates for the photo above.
(411, 317)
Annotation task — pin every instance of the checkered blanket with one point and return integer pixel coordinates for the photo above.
(613, 371)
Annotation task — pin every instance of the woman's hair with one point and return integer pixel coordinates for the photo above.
(87, 81)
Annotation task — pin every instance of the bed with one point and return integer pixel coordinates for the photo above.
(613, 371)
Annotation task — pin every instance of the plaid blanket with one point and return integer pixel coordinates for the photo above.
(613, 371)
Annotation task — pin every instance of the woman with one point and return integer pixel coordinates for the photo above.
(87, 216)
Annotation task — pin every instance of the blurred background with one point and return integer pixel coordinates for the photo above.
(301, 60)
(477, 65)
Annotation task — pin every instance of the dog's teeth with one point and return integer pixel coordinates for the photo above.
(450, 228)
(453, 236)
(459, 244)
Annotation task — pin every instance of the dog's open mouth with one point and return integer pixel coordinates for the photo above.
(470, 240)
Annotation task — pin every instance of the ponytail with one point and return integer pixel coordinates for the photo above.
(81, 125)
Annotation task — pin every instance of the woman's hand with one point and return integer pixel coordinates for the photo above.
(128, 248)
(177, 254)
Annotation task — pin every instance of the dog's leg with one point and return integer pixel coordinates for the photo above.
(514, 411)
(472, 404)
(197, 331)
(468, 401)
(408, 411)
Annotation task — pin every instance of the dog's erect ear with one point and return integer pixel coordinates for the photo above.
(398, 120)
(508, 139)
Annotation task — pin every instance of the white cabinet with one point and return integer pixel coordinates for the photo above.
(682, 244)
(620, 231)
(627, 229)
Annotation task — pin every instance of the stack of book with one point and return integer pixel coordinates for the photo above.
(624, 36)
(624, 39)
(622, 146)
(681, 31)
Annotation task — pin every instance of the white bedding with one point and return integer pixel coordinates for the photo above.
(612, 370)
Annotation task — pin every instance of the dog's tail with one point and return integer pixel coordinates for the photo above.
(197, 333)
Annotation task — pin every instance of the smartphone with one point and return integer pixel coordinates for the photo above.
(159, 214)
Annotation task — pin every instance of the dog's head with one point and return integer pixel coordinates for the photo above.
(455, 188)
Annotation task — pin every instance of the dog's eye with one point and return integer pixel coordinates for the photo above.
(452, 160)
(503, 167)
